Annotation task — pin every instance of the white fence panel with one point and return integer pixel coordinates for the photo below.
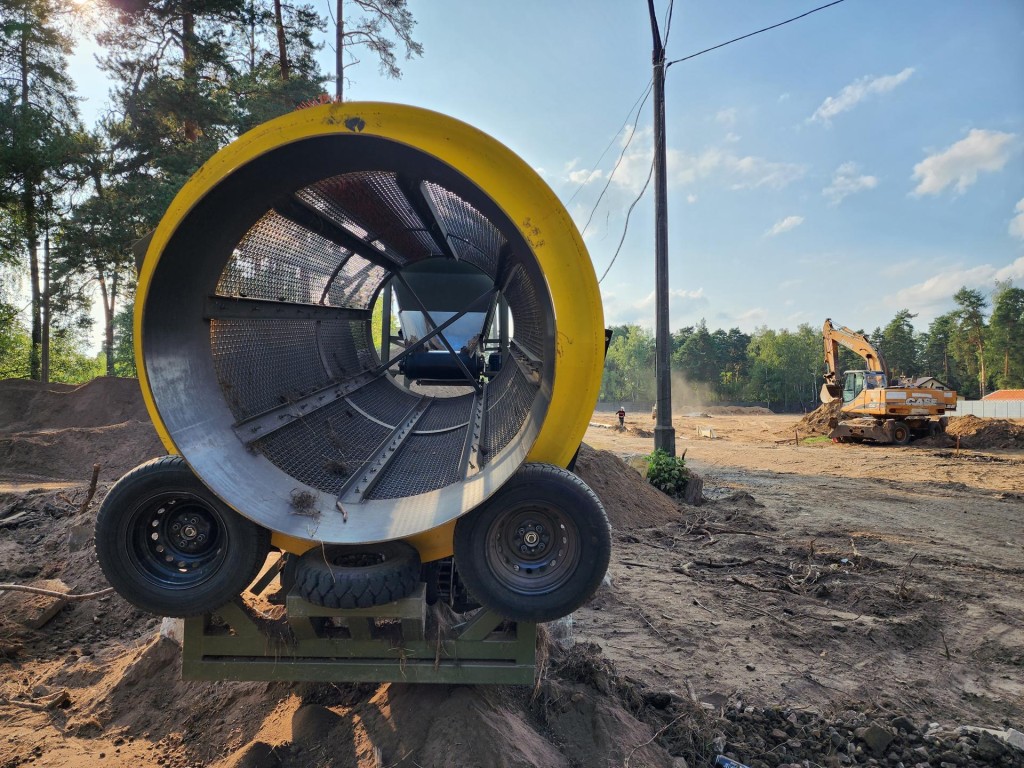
(991, 409)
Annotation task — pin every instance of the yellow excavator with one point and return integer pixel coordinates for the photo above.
(876, 407)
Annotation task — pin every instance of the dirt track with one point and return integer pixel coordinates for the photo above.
(822, 588)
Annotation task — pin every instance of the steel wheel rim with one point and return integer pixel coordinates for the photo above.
(176, 540)
(533, 548)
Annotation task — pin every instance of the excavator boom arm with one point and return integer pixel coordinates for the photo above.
(833, 338)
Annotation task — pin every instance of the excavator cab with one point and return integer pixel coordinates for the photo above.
(855, 382)
(853, 385)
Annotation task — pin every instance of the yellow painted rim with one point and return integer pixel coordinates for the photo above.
(512, 184)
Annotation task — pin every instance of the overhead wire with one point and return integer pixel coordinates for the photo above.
(668, 29)
(618, 162)
(629, 115)
(625, 227)
(751, 34)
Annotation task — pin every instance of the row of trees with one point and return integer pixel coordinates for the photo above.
(187, 76)
(975, 348)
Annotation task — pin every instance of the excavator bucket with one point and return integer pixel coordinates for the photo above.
(830, 392)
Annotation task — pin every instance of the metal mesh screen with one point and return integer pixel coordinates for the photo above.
(324, 448)
(527, 317)
(261, 364)
(475, 239)
(425, 463)
(511, 396)
(279, 260)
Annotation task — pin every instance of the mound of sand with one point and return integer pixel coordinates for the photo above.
(738, 410)
(629, 500)
(29, 405)
(977, 433)
(821, 420)
(57, 431)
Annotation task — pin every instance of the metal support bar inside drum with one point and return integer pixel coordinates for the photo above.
(260, 359)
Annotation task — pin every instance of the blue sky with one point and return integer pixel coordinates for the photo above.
(861, 160)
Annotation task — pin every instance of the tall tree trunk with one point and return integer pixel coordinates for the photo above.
(28, 201)
(45, 368)
(108, 297)
(282, 49)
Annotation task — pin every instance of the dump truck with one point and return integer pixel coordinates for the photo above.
(876, 407)
(374, 462)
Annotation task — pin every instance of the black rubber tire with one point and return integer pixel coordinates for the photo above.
(555, 575)
(210, 558)
(329, 576)
(901, 433)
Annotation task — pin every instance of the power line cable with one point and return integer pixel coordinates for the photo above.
(744, 37)
(625, 228)
(618, 162)
(668, 23)
(629, 115)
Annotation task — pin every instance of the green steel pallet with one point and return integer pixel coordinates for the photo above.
(386, 643)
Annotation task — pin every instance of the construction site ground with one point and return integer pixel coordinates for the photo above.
(827, 605)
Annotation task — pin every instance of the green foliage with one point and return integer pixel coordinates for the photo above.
(900, 345)
(667, 473)
(1006, 327)
(15, 344)
(629, 366)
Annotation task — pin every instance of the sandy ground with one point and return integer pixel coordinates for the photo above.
(826, 573)
(820, 588)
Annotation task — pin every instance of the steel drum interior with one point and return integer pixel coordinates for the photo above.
(266, 372)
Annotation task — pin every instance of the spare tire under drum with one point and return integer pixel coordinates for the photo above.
(256, 351)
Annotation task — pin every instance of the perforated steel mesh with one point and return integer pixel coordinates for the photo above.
(527, 317)
(384, 401)
(356, 284)
(475, 239)
(425, 463)
(281, 261)
(446, 413)
(375, 208)
(511, 396)
(324, 448)
(261, 364)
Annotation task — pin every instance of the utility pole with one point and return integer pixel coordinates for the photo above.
(339, 63)
(664, 433)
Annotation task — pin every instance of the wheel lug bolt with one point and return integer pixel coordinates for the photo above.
(176, 527)
(522, 548)
(521, 531)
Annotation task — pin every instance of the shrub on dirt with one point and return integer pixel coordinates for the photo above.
(668, 473)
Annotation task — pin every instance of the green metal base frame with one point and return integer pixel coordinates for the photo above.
(387, 643)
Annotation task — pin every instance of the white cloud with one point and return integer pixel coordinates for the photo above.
(783, 97)
(784, 225)
(1017, 222)
(962, 162)
(751, 317)
(585, 177)
(937, 290)
(692, 198)
(846, 182)
(620, 311)
(739, 172)
(856, 92)
(726, 117)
